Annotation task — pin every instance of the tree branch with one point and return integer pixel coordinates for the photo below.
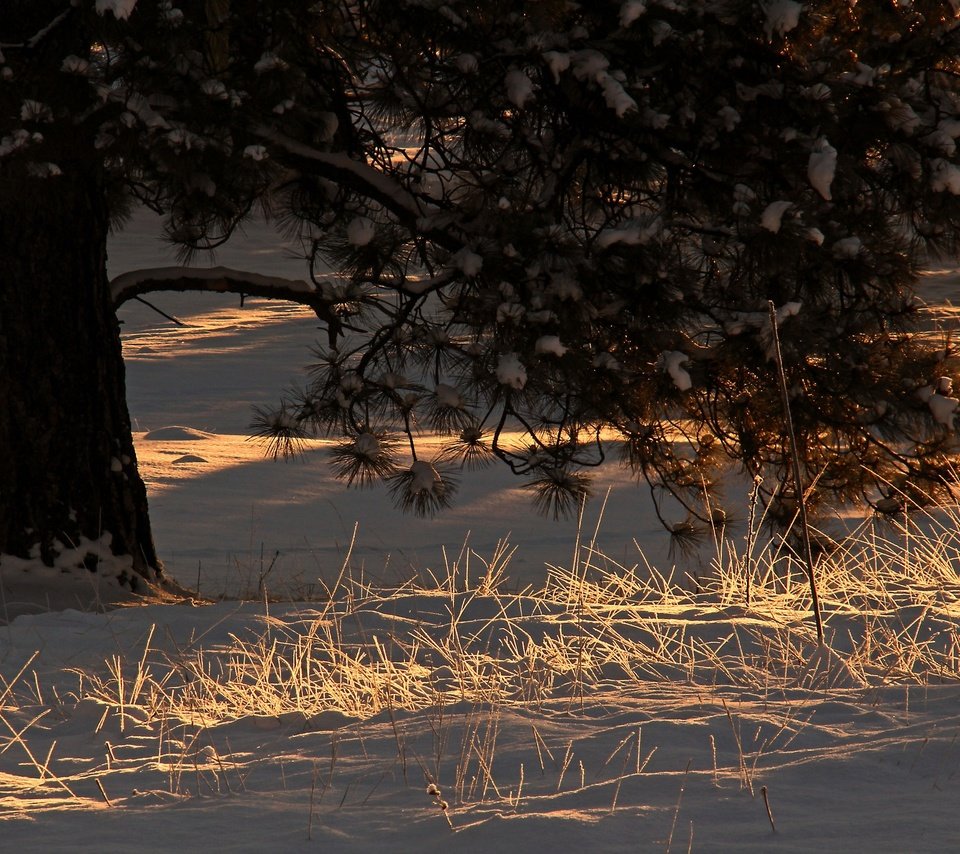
(216, 280)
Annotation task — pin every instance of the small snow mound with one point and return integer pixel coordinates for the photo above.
(630, 11)
(176, 434)
(782, 16)
(772, 217)
(822, 168)
(519, 87)
(188, 458)
(361, 231)
(672, 361)
(121, 9)
(511, 372)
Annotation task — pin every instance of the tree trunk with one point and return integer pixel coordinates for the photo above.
(70, 491)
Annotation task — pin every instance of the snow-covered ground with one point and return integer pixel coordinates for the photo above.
(601, 710)
(191, 389)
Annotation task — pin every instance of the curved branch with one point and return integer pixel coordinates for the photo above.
(215, 280)
(223, 280)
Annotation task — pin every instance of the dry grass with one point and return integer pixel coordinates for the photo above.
(442, 663)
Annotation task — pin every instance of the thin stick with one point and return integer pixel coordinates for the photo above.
(313, 789)
(797, 483)
(766, 803)
(676, 812)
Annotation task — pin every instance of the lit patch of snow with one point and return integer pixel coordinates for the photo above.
(519, 87)
(269, 62)
(660, 32)
(772, 215)
(589, 65)
(942, 407)
(74, 65)
(900, 116)
(549, 345)
(557, 63)
(15, 141)
(35, 111)
(424, 477)
(782, 16)
(616, 97)
(360, 231)
(673, 361)
(511, 372)
(729, 117)
(630, 11)
(606, 362)
(944, 142)
(847, 247)
(817, 92)
(44, 170)
(214, 89)
(788, 309)
(121, 9)
(822, 168)
(863, 76)
(188, 458)
(176, 434)
(256, 152)
(366, 445)
(944, 177)
(566, 287)
(467, 261)
(632, 233)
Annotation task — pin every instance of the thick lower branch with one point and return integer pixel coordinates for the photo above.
(214, 280)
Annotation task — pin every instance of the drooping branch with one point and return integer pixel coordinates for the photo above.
(220, 280)
(223, 280)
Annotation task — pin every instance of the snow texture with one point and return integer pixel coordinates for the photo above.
(121, 9)
(616, 97)
(550, 345)
(630, 11)
(367, 445)
(256, 152)
(557, 63)
(360, 231)
(673, 361)
(424, 477)
(944, 177)
(519, 87)
(782, 16)
(847, 248)
(772, 215)
(511, 371)
(632, 233)
(468, 261)
(822, 168)
(177, 434)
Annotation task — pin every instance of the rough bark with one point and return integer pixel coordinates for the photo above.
(68, 469)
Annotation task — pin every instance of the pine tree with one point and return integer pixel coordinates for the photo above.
(104, 103)
(586, 211)
(559, 228)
